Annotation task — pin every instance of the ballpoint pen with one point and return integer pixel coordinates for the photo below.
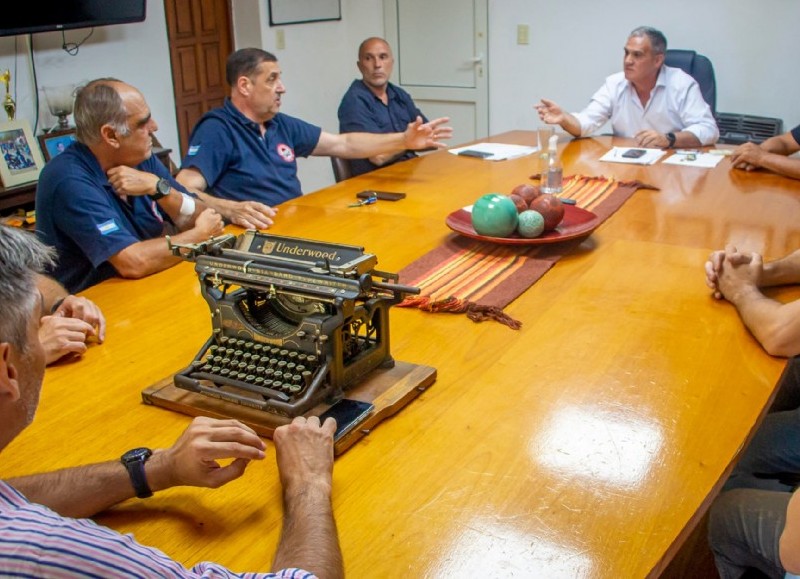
(368, 201)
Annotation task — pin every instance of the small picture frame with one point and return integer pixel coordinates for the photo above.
(20, 158)
(56, 142)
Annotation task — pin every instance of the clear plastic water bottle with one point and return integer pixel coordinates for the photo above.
(551, 178)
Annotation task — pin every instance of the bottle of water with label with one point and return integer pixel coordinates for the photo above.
(551, 174)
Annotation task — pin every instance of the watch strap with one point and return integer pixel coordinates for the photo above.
(134, 463)
(671, 138)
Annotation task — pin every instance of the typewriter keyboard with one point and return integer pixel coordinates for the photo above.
(270, 371)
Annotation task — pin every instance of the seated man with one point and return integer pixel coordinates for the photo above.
(772, 154)
(39, 537)
(68, 322)
(658, 105)
(747, 519)
(375, 105)
(105, 203)
(242, 156)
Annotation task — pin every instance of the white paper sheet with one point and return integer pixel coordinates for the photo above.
(705, 160)
(614, 155)
(497, 151)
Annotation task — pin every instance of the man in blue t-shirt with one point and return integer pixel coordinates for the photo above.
(375, 105)
(242, 156)
(106, 203)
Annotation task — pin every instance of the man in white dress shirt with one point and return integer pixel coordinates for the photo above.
(659, 106)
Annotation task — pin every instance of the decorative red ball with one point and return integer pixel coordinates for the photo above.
(551, 208)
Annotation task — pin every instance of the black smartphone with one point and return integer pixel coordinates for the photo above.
(348, 414)
(384, 195)
(634, 153)
(474, 153)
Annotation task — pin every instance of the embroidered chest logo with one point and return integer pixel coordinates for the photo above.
(286, 153)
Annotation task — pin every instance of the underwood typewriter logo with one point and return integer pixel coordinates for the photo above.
(268, 247)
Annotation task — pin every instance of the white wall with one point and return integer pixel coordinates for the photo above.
(136, 53)
(574, 45)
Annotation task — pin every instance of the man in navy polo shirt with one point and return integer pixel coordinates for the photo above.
(242, 156)
(375, 105)
(106, 203)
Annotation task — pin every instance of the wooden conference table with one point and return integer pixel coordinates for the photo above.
(589, 443)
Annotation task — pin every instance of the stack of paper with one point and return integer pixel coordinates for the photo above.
(494, 151)
(616, 155)
(694, 159)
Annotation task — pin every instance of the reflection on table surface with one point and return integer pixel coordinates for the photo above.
(588, 443)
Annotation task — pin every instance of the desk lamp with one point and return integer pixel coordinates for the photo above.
(60, 101)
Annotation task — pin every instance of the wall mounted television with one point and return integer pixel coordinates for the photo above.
(29, 17)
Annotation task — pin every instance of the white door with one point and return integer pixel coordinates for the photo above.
(440, 50)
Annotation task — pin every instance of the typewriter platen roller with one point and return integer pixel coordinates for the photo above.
(295, 322)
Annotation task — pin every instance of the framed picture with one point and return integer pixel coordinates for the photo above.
(299, 11)
(56, 142)
(20, 158)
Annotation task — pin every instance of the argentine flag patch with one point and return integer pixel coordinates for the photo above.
(193, 150)
(107, 227)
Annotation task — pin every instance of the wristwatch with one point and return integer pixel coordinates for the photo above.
(163, 188)
(134, 461)
(671, 138)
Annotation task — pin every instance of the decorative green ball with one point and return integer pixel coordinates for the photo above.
(494, 215)
(531, 223)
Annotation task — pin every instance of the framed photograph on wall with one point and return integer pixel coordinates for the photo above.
(20, 158)
(298, 11)
(55, 142)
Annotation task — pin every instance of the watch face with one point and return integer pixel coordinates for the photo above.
(137, 454)
(163, 187)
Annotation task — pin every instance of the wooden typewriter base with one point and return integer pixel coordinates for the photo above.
(388, 390)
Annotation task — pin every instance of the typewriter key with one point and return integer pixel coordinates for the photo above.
(259, 381)
(240, 343)
(283, 353)
(282, 364)
(292, 355)
(237, 354)
(249, 378)
(290, 367)
(293, 388)
(224, 372)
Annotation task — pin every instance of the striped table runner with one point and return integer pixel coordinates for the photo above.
(479, 278)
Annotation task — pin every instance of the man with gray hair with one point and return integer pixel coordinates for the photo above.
(43, 532)
(106, 203)
(657, 105)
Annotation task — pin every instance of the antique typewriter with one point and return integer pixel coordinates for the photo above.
(295, 322)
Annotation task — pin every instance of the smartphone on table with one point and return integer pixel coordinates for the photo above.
(634, 153)
(348, 414)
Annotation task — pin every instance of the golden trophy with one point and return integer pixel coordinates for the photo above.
(8, 102)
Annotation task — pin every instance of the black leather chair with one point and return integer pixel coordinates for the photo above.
(700, 68)
(341, 169)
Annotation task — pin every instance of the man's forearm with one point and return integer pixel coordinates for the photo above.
(309, 539)
(781, 164)
(772, 323)
(783, 271)
(571, 125)
(78, 492)
(366, 145)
